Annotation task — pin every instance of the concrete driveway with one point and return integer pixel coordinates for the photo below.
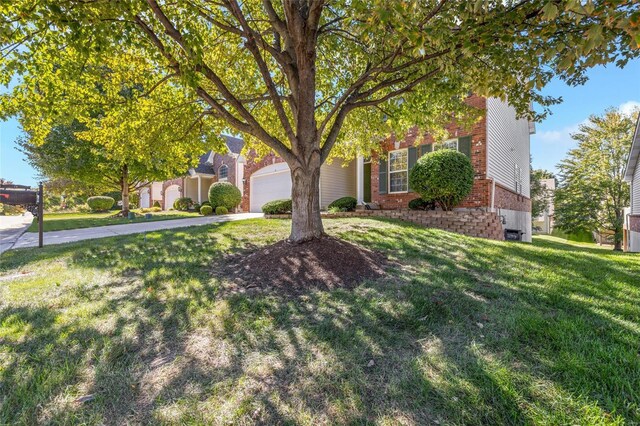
(11, 227)
(30, 239)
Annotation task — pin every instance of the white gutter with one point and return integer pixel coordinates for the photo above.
(634, 154)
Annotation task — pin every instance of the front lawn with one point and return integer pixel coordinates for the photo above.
(63, 221)
(460, 331)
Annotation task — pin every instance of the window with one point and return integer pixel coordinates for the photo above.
(223, 172)
(448, 144)
(398, 171)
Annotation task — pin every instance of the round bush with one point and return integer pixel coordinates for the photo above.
(100, 203)
(277, 207)
(206, 210)
(344, 204)
(444, 176)
(221, 210)
(157, 204)
(182, 204)
(224, 194)
(420, 204)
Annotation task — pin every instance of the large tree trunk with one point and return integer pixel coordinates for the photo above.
(124, 188)
(306, 223)
(617, 237)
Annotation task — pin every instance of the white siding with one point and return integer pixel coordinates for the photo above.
(507, 146)
(336, 182)
(635, 191)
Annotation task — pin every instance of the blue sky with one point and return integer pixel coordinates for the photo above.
(607, 87)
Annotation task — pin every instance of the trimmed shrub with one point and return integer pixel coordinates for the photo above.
(277, 207)
(444, 176)
(157, 204)
(205, 203)
(206, 210)
(224, 194)
(221, 210)
(150, 209)
(100, 203)
(420, 204)
(344, 204)
(182, 204)
(196, 207)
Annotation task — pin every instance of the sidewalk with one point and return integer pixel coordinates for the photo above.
(11, 227)
(30, 239)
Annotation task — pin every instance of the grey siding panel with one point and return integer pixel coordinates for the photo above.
(635, 192)
(337, 181)
(507, 145)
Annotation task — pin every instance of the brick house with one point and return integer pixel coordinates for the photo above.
(212, 167)
(631, 222)
(498, 146)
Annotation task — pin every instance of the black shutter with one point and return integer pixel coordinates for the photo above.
(464, 145)
(412, 158)
(423, 149)
(383, 176)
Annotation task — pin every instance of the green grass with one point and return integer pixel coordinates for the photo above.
(64, 221)
(461, 331)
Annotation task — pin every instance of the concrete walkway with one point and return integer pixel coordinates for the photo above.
(11, 227)
(30, 239)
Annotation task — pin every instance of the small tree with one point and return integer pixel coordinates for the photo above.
(592, 192)
(444, 176)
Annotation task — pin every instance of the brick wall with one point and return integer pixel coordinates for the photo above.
(481, 192)
(507, 199)
(230, 162)
(251, 167)
(473, 223)
(634, 222)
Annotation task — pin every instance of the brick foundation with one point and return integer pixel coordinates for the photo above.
(473, 223)
(634, 222)
(507, 199)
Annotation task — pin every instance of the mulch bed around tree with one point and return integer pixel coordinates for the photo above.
(322, 264)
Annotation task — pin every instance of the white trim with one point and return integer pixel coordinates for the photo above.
(441, 145)
(360, 179)
(389, 191)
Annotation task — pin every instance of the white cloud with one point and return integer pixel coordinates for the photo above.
(629, 107)
(558, 136)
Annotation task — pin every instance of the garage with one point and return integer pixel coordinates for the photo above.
(144, 198)
(171, 194)
(270, 183)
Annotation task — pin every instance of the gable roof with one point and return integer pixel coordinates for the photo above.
(234, 144)
(205, 164)
(634, 154)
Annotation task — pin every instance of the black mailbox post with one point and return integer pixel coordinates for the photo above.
(33, 201)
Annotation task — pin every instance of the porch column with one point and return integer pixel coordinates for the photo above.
(199, 189)
(360, 179)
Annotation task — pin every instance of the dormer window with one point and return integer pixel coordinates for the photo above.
(223, 172)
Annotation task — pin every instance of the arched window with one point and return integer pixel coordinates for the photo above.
(223, 172)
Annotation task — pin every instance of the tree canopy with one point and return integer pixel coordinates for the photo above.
(309, 79)
(592, 192)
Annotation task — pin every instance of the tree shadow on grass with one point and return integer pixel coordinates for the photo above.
(165, 344)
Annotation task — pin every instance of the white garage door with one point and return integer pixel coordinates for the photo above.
(144, 198)
(269, 183)
(171, 194)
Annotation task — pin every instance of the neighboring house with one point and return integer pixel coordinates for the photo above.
(632, 175)
(211, 168)
(545, 221)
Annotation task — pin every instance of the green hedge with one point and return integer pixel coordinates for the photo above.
(221, 210)
(206, 210)
(420, 204)
(344, 204)
(444, 176)
(277, 207)
(182, 204)
(100, 203)
(224, 194)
